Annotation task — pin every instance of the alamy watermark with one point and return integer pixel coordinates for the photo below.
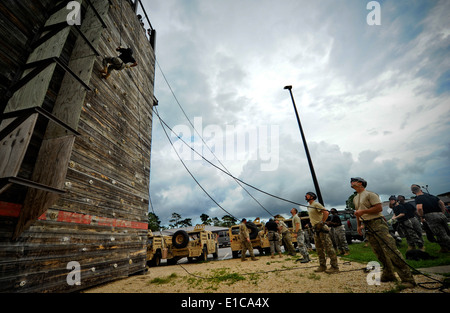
(374, 273)
(230, 143)
(74, 16)
(74, 277)
(374, 16)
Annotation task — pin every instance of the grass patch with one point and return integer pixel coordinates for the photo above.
(359, 253)
(165, 280)
(222, 275)
(215, 279)
(314, 276)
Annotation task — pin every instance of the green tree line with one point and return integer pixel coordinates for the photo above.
(177, 221)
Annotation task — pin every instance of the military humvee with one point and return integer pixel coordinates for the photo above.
(195, 244)
(157, 248)
(258, 238)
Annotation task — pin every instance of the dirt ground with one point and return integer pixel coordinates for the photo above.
(267, 275)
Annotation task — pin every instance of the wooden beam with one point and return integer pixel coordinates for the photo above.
(14, 146)
(50, 170)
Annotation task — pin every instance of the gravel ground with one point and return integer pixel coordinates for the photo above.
(267, 275)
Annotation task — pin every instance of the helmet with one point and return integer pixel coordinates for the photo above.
(312, 194)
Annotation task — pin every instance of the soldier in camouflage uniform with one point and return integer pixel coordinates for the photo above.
(368, 215)
(318, 215)
(297, 226)
(414, 220)
(274, 237)
(246, 244)
(286, 237)
(405, 219)
(337, 232)
(431, 209)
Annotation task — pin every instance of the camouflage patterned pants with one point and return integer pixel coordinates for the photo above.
(324, 245)
(338, 235)
(301, 244)
(287, 241)
(413, 232)
(438, 224)
(116, 64)
(274, 240)
(245, 245)
(384, 247)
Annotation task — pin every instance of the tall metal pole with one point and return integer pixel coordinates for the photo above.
(311, 167)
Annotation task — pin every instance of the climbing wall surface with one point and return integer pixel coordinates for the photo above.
(74, 196)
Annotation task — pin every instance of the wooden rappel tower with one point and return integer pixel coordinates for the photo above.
(74, 148)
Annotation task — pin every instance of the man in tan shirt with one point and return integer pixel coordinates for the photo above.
(369, 215)
(318, 215)
(298, 231)
(246, 243)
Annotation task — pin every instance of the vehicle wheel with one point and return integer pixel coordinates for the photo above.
(253, 230)
(180, 239)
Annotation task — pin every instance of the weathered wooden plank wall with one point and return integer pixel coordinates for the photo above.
(20, 22)
(101, 221)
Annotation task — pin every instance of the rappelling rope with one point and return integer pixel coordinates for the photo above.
(227, 173)
(121, 22)
(443, 284)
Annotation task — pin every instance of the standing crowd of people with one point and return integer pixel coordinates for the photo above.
(329, 232)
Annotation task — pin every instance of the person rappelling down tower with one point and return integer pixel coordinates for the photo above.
(118, 63)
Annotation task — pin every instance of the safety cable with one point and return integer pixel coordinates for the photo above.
(121, 22)
(364, 269)
(193, 177)
(229, 174)
(411, 267)
(210, 150)
(277, 270)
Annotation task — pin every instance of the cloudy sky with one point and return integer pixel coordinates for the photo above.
(373, 101)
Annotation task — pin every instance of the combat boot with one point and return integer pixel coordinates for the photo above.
(386, 277)
(332, 270)
(408, 284)
(320, 269)
(305, 259)
(254, 259)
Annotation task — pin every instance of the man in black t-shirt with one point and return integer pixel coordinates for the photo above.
(431, 209)
(118, 63)
(274, 237)
(337, 232)
(405, 219)
(412, 223)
